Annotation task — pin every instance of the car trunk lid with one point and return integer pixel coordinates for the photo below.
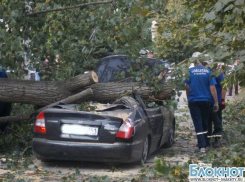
(69, 125)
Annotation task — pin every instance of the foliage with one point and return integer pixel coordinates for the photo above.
(15, 143)
(15, 140)
(233, 152)
(79, 35)
(163, 170)
(84, 106)
(175, 40)
(207, 27)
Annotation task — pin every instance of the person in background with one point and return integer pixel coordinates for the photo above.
(215, 118)
(235, 83)
(46, 70)
(57, 62)
(5, 108)
(150, 54)
(199, 88)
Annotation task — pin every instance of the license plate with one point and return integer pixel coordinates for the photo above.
(79, 130)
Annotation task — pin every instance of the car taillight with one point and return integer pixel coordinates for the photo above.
(40, 123)
(126, 130)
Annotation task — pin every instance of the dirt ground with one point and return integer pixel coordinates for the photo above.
(183, 149)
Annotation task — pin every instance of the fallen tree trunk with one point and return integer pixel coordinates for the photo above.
(10, 119)
(108, 92)
(102, 92)
(72, 99)
(80, 81)
(44, 92)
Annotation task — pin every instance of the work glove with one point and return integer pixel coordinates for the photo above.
(216, 107)
(222, 104)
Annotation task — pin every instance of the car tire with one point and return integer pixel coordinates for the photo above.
(145, 151)
(170, 140)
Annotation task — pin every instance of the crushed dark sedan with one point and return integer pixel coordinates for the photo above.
(122, 132)
(125, 131)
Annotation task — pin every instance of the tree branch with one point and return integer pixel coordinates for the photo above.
(71, 7)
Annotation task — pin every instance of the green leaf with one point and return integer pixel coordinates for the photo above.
(198, 13)
(239, 66)
(237, 11)
(225, 2)
(136, 10)
(218, 6)
(226, 68)
(144, 12)
(59, 33)
(224, 55)
(239, 2)
(2, 33)
(219, 154)
(242, 58)
(211, 16)
(138, 79)
(227, 161)
(230, 7)
(14, 14)
(242, 53)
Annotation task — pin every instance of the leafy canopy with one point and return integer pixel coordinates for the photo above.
(216, 28)
(33, 30)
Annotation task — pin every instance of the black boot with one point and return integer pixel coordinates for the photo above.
(216, 143)
(208, 142)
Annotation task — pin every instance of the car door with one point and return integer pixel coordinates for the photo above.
(167, 123)
(155, 119)
(156, 122)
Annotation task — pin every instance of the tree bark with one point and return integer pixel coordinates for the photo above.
(80, 81)
(9, 119)
(101, 92)
(44, 92)
(69, 100)
(107, 92)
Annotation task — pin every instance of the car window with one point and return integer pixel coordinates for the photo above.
(109, 67)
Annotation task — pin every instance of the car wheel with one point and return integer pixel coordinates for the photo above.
(145, 150)
(170, 140)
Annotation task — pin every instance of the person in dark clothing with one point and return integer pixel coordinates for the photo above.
(199, 88)
(215, 118)
(5, 108)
